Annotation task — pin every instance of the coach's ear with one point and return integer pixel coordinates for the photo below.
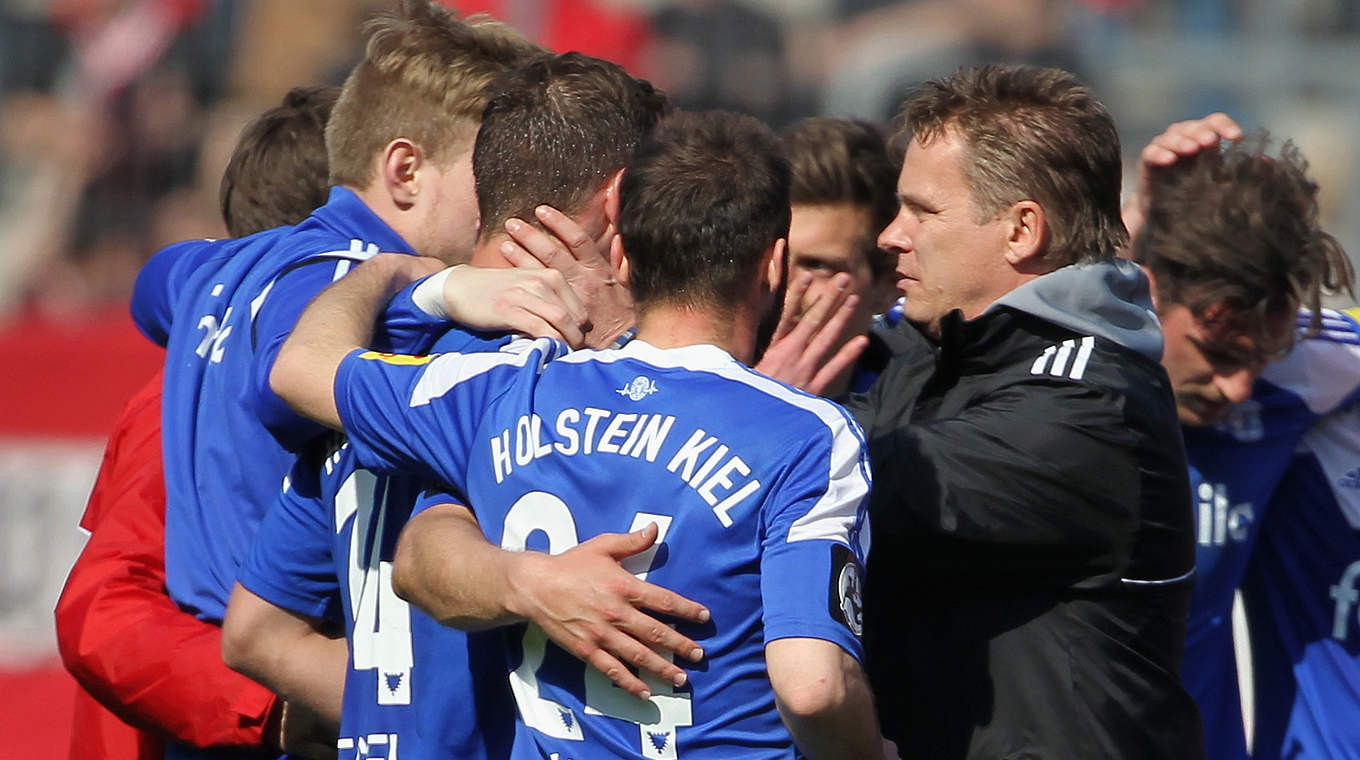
(611, 198)
(1027, 237)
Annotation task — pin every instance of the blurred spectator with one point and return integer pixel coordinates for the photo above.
(720, 54)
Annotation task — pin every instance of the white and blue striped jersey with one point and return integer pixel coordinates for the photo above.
(1302, 589)
(1235, 468)
(759, 492)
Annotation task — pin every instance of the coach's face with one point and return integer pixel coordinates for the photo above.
(949, 256)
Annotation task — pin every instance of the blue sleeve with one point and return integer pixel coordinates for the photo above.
(406, 328)
(411, 331)
(435, 497)
(418, 415)
(815, 543)
(161, 280)
(290, 563)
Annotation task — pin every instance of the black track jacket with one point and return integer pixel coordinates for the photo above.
(1033, 543)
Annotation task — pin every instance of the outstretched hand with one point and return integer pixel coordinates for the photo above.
(587, 603)
(1179, 141)
(569, 249)
(797, 354)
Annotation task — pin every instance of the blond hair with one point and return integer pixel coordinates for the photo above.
(424, 76)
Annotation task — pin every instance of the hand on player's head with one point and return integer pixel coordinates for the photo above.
(568, 248)
(1180, 141)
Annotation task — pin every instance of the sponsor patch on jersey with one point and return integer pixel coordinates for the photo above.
(398, 359)
(847, 585)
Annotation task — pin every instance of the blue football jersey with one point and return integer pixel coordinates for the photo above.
(758, 491)
(1302, 592)
(414, 688)
(224, 308)
(1235, 467)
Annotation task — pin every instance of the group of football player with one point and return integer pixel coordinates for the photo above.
(571, 426)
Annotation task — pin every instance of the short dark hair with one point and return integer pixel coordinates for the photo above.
(846, 162)
(278, 173)
(699, 206)
(1036, 134)
(1237, 230)
(424, 76)
(553, 131)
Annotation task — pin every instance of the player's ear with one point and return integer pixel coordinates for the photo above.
(401, 162)
(611, 198)
(619, 261)
(774, 268)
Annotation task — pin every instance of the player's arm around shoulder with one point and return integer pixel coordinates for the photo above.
(161, 281)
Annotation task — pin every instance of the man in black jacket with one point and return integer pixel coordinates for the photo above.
(1033, 536)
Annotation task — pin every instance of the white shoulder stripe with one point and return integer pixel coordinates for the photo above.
(446, 371)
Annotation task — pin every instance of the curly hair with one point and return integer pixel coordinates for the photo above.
(1235, 232)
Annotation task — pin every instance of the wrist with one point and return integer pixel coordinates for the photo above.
(429, 295)
(522, 572)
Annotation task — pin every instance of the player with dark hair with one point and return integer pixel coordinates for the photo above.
(1034, 547)
(1231, 240)
(843, 196)
(756, 490)
(279, 169)
(136, 655)
(330, 540)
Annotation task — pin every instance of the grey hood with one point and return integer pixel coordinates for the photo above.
(1107, 299)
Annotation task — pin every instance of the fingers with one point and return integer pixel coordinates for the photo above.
(1187, 138)
(578, 242)
(848, 355)
(544, 248)
(518, 256)
(824, 309)
(793, 299)
(621, 545)
(615, 671)
(663, 600)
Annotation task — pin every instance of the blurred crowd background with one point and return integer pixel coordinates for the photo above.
(117, 116)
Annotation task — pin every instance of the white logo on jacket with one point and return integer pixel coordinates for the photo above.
(1066, 359)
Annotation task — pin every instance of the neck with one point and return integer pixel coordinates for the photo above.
(380, 203)
(487, 252)
(669, 325)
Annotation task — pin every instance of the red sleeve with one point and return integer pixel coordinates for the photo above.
(120, 634)
(98, 734)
